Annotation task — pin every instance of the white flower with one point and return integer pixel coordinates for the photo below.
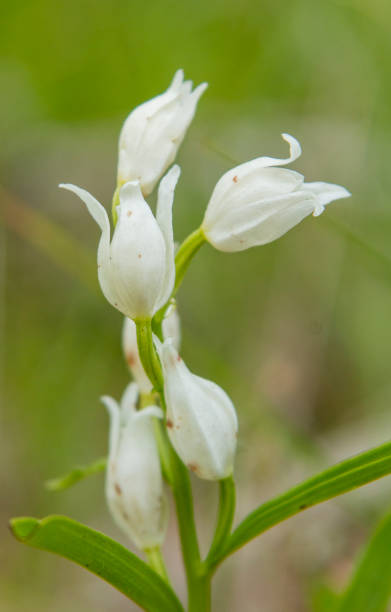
(201, 419)
(171, 329)
(134, 484)
(136, 270)
(153, 132)
(256, 202)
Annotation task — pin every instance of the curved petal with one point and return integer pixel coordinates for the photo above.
(115, 424)
(294, 153)
(325, 193)
(164, 219)
(99, 214)
(95, 208)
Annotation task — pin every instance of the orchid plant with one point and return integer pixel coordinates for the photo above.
(171, 422)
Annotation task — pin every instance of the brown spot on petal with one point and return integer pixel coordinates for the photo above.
(139, 256)
(169, 424)
(193, 467)
(179, 358)
(126, 517)
(118, 489)
(131, 359)
(129, 213)
(235, 179)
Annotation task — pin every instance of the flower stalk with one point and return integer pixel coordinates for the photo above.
(148, 355)
(188, 249)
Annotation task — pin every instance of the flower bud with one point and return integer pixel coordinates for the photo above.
(201, 419)
(153, 132)
(257, 202)
(136, 270)
(134, 484)
(171, 329)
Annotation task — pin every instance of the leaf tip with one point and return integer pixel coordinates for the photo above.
(23, 527)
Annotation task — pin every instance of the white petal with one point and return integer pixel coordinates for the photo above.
(95, 208)
(135, 487)
(128, 402)
(153, 132)
(164, 219)
(201, 422)
(294, 153)
(172, 326)
(99, 214)
(177, 80)
(137, 266)
(326, 193)
(245, 185)
(115, 423)
(262, 222)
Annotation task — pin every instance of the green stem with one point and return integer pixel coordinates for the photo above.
(178, 477)
(148, 354)
(156, 561)
(185, 254)
(181, 487)
(200, 595)
(225, 518)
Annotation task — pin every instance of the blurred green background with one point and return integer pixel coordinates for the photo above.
(298, 332)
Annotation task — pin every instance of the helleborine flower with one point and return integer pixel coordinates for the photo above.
(257, 202)
(136, 270)
(171, 329)
(153, 132)
(134, 483)
(201, 419)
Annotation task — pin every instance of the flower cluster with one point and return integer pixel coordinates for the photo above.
(252, 204)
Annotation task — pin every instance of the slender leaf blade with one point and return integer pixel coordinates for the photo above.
(341, 478)
(100, 555)
(370, 587)
(74, 476)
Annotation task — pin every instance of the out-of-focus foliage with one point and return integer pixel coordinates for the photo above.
(297, 331)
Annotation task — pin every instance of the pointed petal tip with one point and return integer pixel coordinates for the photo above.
(199, 90)
(174, 173)
(130, 188)
(68, 186)
(177, 79)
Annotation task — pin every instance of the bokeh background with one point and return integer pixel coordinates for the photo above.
(298, 331)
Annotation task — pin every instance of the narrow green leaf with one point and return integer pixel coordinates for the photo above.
(370, 587)
(339, 479)
(75, 475)
(101, 556)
